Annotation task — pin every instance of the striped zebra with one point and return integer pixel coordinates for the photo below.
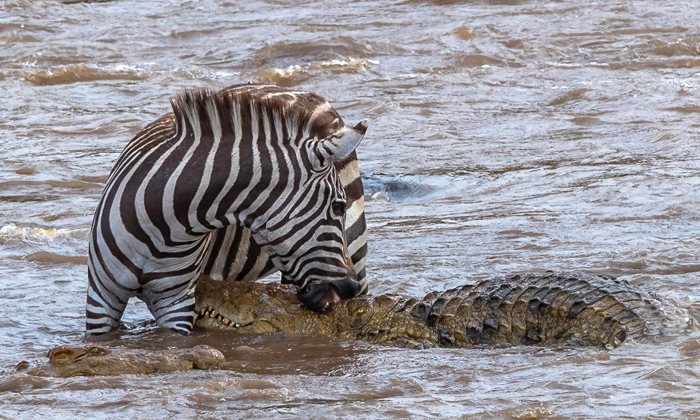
(233, 184)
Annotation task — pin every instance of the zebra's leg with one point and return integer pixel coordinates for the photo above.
(104, 308)
(174, 309)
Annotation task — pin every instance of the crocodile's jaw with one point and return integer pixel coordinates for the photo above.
(254, 308)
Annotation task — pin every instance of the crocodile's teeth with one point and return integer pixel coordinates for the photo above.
(220, 318)
(226, 321)
(214, 314)
(237, 325)
(202, 311)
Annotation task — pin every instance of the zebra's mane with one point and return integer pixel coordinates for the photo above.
(197, 108)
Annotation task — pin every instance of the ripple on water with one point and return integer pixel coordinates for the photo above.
(12, 231)
(45, 257)
(75, 73)
(289, 53)
(297, 74)
(506, 136)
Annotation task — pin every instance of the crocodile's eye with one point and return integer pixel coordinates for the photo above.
(338, 208)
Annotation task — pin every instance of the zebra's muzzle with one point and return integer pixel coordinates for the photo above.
(320, 296)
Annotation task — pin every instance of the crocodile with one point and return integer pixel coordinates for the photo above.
(98, 360)
(548, 309)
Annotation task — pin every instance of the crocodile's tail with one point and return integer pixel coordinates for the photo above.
(553, 308)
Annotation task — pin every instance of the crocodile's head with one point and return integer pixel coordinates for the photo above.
(252, 308)
(65, 355)
(255, 308)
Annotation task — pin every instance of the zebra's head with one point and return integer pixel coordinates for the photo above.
(305, 235)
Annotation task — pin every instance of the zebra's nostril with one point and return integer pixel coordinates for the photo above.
(321, 296)
(315, 296)
(347, 288)
(334, 297)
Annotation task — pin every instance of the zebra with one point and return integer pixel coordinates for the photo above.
(257, 161)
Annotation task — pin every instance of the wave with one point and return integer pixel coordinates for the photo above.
(75, 73)
(45, 257)
(680, 63)
(464, 33)
(12, 231)
(283, 54)
(296, 74)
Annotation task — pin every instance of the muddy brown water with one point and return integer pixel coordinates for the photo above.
(505, 136)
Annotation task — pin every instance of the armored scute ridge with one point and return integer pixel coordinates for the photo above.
(533, 309)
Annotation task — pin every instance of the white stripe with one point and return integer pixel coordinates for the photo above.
(255, 179)
(208, 165)
(237, 123)
(356, 210)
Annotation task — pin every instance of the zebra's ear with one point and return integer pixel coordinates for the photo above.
(340, 144)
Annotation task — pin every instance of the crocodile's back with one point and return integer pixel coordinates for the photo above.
(552, 308)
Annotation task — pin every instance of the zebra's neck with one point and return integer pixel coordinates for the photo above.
(239, 159)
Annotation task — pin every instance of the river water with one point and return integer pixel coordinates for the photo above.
(505, 136)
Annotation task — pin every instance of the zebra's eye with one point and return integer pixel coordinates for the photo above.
(338, 208)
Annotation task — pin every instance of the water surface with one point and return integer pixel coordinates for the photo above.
(505, 136)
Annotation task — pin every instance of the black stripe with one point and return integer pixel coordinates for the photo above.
(251, 259)
(219, 236)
